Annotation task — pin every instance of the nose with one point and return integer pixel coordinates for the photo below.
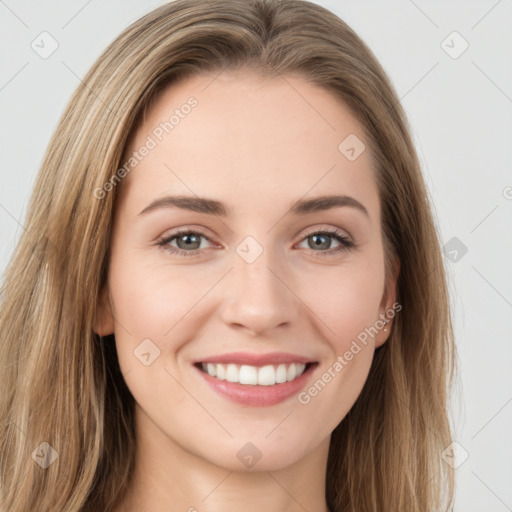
(260, 297)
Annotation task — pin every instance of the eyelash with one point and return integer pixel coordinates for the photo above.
(345, 242)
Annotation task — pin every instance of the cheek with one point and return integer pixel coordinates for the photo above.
(346, 301)
(151, 305)
(155, 302)
(149, 299)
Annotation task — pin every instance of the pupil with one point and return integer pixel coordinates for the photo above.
(317, 243)
(188, 239)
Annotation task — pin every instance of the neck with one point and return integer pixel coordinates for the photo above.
(169, 478)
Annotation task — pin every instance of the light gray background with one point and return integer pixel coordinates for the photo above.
(460, 111)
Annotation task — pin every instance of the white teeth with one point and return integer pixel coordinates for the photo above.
(211, 369)
(220, 371)
(232, 373)
(291, 373)
(281, 374)
(267, 375)
(248, 375)
(253, 375)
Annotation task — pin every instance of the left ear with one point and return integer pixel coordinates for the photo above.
(387, 303)
(103, 320)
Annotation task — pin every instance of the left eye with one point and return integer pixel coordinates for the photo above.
(188, 243)
(322, 240)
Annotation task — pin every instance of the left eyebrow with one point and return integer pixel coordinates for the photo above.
(326, 203)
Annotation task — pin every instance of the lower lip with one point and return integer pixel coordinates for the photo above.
(257, 395)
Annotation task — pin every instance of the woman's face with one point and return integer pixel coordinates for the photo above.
(251, 281)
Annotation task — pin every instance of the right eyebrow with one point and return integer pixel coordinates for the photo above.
(195, 204)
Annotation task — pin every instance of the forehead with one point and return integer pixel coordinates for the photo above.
(236, 136)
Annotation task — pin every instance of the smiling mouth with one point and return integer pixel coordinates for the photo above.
(248, 375)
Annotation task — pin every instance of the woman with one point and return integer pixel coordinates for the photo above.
(230, 291)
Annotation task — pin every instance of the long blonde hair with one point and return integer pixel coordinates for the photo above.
(60, 386)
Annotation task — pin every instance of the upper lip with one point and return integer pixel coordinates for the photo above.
(247, 358)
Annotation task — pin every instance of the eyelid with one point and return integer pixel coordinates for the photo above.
(330, 229)
(199, 231)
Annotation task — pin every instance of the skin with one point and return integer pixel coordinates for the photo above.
(257, 145)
